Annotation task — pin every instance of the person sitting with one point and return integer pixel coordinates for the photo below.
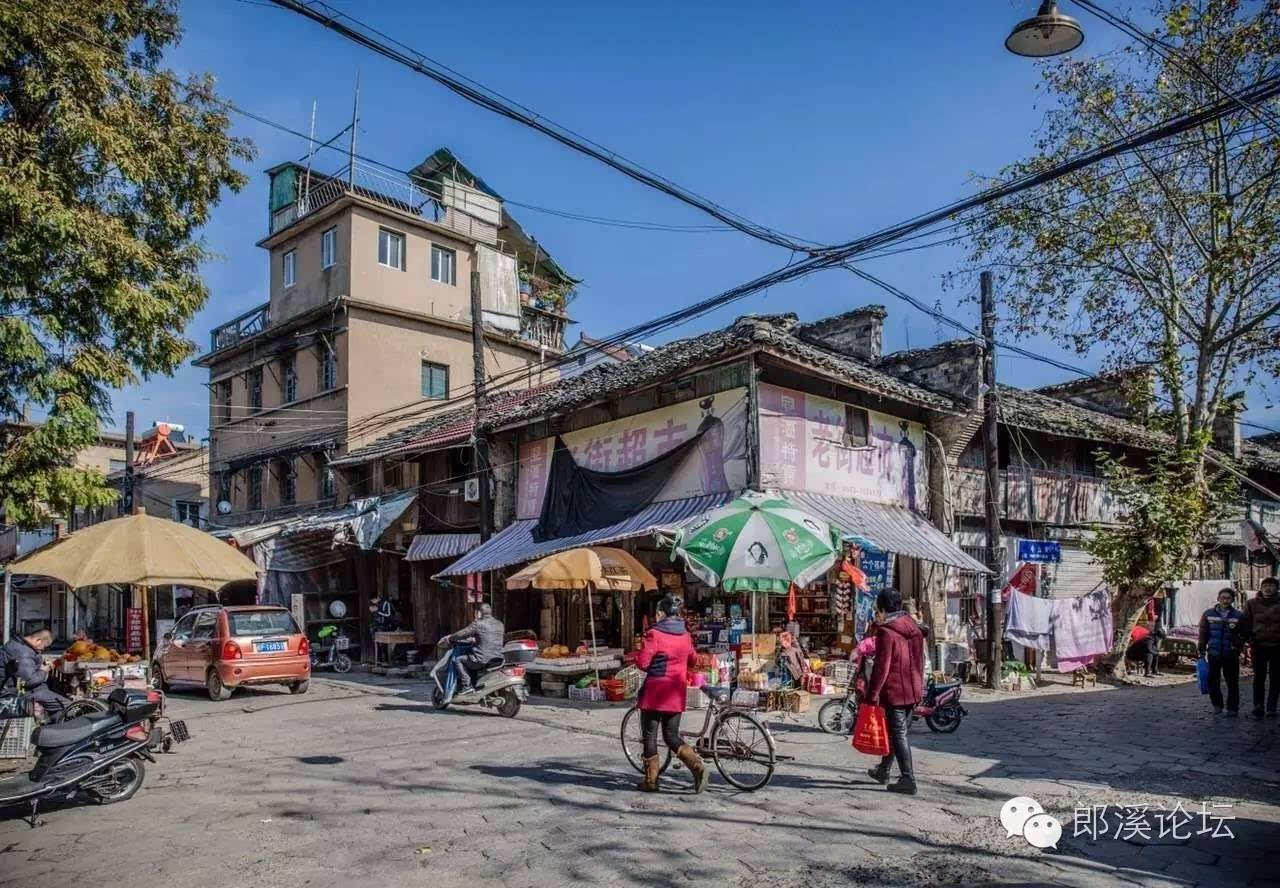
(23, 662)
(485, 633)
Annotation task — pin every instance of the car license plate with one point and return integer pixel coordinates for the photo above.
(266, 647)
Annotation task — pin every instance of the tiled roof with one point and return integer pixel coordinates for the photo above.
(1041, 413)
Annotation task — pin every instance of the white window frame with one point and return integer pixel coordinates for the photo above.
(329, 247)
(388, 237)
(191, 508)
(289, 268)
(438, 253)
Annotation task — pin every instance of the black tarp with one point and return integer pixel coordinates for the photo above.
(578, 499)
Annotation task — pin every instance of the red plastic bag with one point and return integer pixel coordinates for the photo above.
(870, 731)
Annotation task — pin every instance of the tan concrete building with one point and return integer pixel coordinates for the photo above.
(367, 327)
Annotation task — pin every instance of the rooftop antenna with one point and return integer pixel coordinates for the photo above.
(355, 120)
(311, 152)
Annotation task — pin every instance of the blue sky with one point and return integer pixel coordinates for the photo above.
(826, 121)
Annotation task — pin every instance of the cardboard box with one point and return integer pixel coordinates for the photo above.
(795, 701)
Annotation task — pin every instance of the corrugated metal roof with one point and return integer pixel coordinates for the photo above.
(428, 546)
(515, 544)
(891, 527)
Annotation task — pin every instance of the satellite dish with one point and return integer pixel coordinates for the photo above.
(224, 507)
(337, 609)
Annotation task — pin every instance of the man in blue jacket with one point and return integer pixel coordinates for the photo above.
(1220, 642)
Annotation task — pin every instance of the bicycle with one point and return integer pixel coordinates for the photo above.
(735, 740)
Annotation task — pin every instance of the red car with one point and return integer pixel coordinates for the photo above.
(224, 648)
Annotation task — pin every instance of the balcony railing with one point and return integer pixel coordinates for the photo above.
(541, 327)
(1038, 495)
(251, 323)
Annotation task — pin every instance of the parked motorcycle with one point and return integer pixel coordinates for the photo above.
(332, 654)
(100, 754)
(498, 685)
(940, 708)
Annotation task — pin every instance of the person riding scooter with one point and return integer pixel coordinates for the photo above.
(22, 662)
(485, 633)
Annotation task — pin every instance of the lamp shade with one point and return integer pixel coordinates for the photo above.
(1048, 33)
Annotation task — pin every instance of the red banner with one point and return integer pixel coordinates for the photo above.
(1023, 579)
(133, 629)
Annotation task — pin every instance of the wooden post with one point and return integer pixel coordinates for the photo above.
(995, 612)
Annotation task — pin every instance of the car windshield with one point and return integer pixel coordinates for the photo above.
(244, 623)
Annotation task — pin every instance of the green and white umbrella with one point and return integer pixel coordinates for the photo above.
(758, 543)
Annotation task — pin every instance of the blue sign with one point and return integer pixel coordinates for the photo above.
(875, 564)
(1043, 551)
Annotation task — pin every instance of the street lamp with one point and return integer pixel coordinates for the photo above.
(1049, 33)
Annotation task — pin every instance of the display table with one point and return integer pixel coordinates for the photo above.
(384, 645)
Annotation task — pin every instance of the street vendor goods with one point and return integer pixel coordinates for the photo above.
(99, 755)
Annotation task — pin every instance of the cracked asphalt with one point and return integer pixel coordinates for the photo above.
(361, 779)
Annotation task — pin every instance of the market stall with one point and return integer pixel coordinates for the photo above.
(142, 552)
(581, 576)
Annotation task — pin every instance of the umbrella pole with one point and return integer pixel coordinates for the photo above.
(591, 615)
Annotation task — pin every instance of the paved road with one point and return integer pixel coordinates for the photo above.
(363, 780)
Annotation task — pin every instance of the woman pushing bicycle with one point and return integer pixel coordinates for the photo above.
(665, 658)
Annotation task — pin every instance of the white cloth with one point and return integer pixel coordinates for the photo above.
(1192, 598)
(1028, 620)
(1082, 629)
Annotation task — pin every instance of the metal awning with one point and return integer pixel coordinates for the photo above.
(429, 546)
(893, 527)
(516, 545)
(360, 522)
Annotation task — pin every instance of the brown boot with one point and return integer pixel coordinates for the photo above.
(692, 761)
(650, 781)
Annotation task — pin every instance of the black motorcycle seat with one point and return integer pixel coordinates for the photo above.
(82, 728)
(493, 663)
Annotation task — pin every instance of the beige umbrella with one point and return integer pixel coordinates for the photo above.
(139, 550)
(589, 568)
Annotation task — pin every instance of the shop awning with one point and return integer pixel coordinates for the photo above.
(515, 544)
(360, 522)
(893, 527)
(429, 546)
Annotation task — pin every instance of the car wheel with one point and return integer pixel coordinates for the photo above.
(300, 687)
(217, 690)
(157, 671)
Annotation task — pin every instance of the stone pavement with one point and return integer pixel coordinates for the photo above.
(362, 779)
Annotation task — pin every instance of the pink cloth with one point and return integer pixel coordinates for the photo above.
(1082, 629)
(867, 647)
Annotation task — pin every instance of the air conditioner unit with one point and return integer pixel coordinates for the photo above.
(471, 490)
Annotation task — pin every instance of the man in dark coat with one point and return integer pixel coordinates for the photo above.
(23, 661)
(897, 684)
(1260, 626)
(485, 633)
(1220, 645)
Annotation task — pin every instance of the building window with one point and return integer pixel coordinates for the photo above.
(255, 487)
(326, 484)
(288, 483)
(222, 394)
(328, 368)
(290, 269)
(254, 382)
(187, 513)
(444, 265)
(390, 248)
(329, 248)
(856, 427)
(289, 377)
(435, 380)
(115, 465)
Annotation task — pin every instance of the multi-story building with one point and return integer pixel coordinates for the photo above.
(367, 322)
(367, 328)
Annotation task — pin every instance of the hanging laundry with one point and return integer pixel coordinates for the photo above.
(1023, 580)
(1029, 620)
(1082, 629)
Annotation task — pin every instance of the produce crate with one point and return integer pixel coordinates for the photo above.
(743, 697)
(552, 688)
(589, 695)
(838, 672)
(15, 736)
(631, 677)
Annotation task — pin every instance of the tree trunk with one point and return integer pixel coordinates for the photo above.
(1126, 608)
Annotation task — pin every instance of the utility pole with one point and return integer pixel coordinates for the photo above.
(127, 499)
(481, 466)
(990, 417)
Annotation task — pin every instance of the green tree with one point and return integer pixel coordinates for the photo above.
(110, 166)
(1167, 257)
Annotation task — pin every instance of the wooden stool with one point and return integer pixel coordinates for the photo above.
(1081, 675)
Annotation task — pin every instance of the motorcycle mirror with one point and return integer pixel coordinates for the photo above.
(168, 636)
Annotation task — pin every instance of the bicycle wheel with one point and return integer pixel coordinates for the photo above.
(77, 708)
(633, 743)
(837, 716)
(743, 750)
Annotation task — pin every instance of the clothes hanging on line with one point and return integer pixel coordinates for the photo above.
(1029, 620)
(1082, 629)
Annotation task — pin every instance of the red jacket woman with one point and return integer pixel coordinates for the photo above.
(666, 657)
(897, 684)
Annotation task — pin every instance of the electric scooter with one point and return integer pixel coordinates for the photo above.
(498, 685)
